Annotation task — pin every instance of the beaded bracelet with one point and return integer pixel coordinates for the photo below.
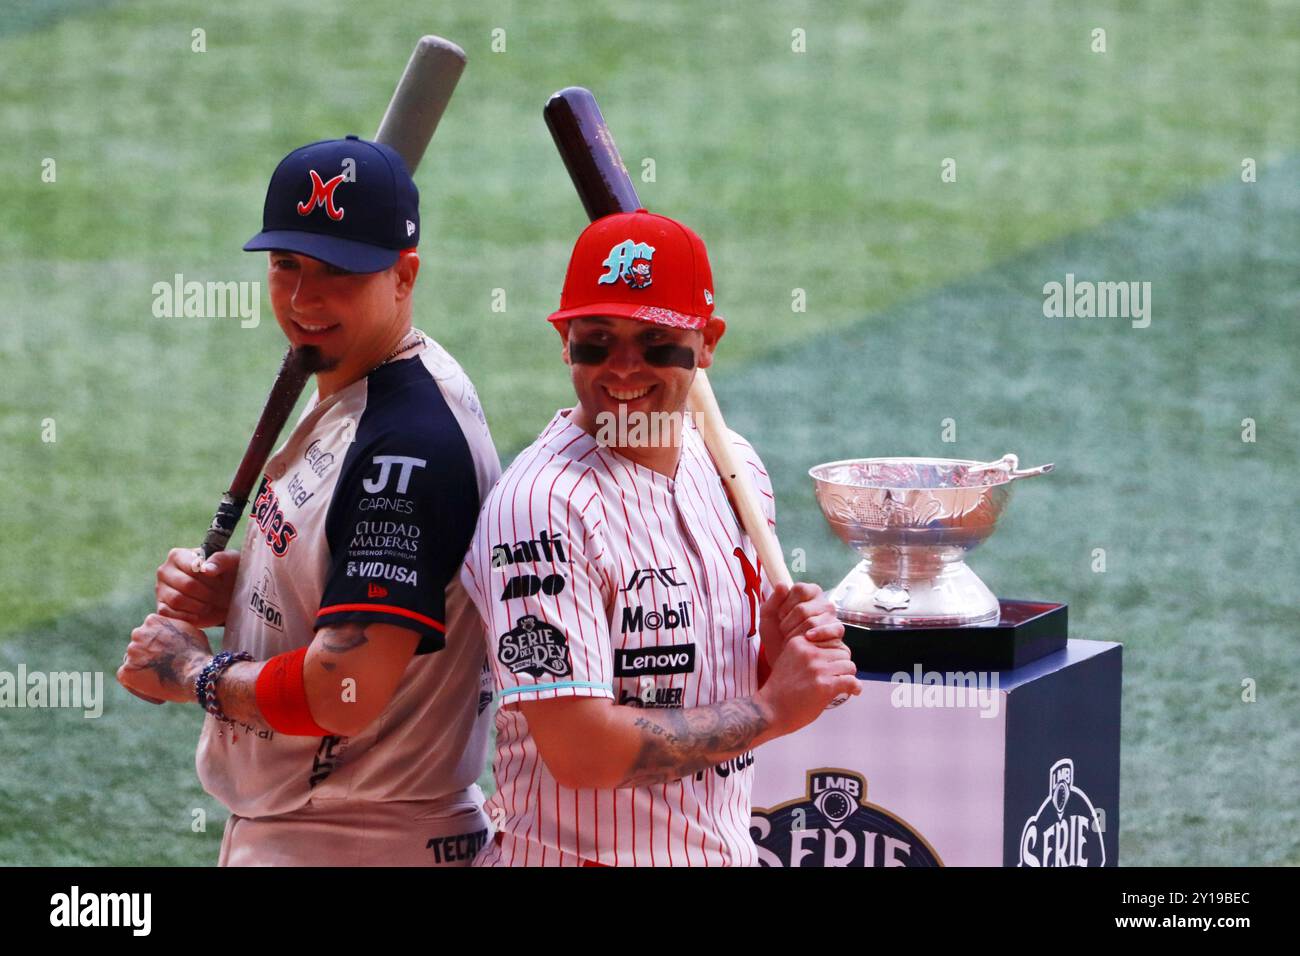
(205, 685)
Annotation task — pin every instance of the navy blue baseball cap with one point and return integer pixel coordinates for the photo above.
(349, 202)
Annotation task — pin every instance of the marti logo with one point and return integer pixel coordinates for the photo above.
(545, 547)
(1066, 830)
(629, 261)
(834, 825)
(322, 194)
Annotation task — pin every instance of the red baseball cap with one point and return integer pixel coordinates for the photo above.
(639, 265)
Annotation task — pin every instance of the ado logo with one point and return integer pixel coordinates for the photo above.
(1066, 830)
(834, 825)
(527, 585)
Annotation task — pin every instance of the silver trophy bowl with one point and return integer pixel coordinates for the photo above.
(913, 521)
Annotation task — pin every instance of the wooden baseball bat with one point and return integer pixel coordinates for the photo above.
(604, 186)
(412, 115)
(417, 104)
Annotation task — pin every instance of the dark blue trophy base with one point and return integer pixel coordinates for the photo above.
(1025, 632)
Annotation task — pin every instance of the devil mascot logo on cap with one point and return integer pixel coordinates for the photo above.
(629, 261)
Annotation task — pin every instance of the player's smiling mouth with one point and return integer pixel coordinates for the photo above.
(313, 329)
(628, 394)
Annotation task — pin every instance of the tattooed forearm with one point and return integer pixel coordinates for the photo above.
(675, 743)
(237, 693)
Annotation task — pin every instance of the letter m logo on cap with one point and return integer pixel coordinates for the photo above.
(322, 194)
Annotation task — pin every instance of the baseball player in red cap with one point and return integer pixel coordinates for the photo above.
(625, 615)
(347, 715)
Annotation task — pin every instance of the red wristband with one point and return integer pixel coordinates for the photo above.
(282, 696)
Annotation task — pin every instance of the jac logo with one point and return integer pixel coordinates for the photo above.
(278, 533)
(640, 576)
(322, 194)
(1066, 830)
(832, 824)
(526, 585)
(386, 462)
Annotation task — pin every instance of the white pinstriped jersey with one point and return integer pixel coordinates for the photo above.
(597, 577)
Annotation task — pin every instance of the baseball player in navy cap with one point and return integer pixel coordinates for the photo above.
(628, 622)
(348, 708)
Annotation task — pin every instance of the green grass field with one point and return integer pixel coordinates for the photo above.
(817, 171)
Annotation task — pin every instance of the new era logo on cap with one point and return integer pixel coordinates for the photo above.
(639, 265)
(349, 202)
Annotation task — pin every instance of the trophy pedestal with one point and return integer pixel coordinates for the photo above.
(954, 766)
(1022, 631)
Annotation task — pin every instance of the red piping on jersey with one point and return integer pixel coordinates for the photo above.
(384, 609)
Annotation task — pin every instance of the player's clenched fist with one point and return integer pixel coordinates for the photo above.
(163, 659)
(801, 609)
(804, 680)
(196, 591)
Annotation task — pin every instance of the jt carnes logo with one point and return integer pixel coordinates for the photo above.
(1066, 830)
(629, 261)
(834, 825)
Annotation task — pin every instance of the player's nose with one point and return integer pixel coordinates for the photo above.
(625, 357)
(307, 293)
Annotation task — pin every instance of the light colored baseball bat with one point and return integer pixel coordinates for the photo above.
(713, 429)
(421, 98)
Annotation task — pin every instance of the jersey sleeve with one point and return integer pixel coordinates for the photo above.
(537, 574)
(398, 527)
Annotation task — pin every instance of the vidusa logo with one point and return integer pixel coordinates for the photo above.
(629, 261)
